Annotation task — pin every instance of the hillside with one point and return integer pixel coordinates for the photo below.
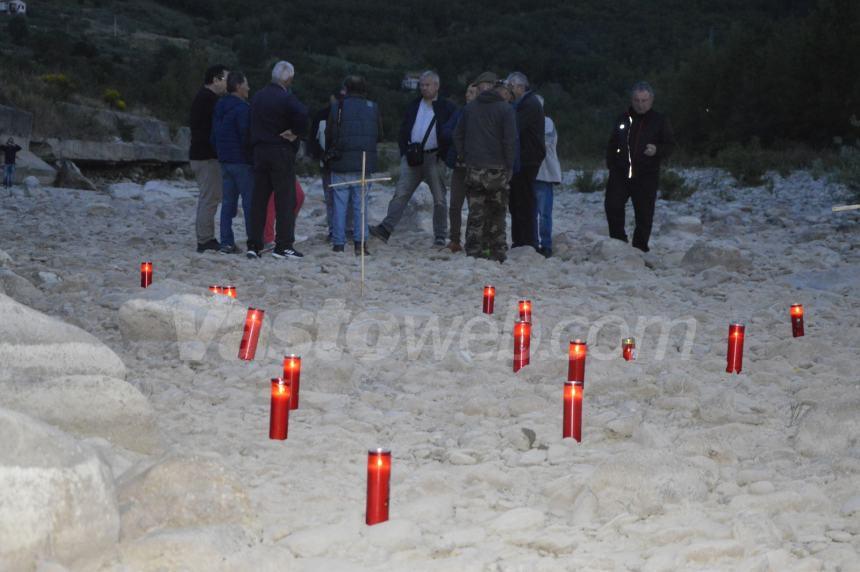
(728, 71)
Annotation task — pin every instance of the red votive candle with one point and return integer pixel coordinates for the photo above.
(525, 308)
(572, 411)
(378, 485)
(576, 361)
(145, 274)
(735, 353)
(216, 289)
(229, 291)
(279, 415)
(293, 374)
(489, 298)
(796, 320)
(628, 349)
(251, 334)
(522, 344)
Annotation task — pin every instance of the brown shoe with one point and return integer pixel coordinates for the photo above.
(454, 247)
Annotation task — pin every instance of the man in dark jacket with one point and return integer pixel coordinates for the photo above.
(532, 147)
(486, 141)
(641, 138)
(421, 126)
(204, 161)
(10, 149)
(458, 174)
(354, 127)
(230, 138)
(318, 146)
(278, 119)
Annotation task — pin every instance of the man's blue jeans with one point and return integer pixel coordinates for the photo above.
(345, 198)
(238, 181)
(543, 208)
(8, 174)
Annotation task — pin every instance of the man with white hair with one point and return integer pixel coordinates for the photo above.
(422, 158)
(641, 138)
(532, 148)
(278, 119)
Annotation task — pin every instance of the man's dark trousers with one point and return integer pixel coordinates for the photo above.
(522, 206)
(274, 172)
(642, 189)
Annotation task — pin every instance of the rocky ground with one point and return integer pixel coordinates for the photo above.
(134, 439)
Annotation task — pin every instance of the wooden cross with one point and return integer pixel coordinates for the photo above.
(364, 181)
(845, 208)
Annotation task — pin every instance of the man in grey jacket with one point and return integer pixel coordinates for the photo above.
(485, 139)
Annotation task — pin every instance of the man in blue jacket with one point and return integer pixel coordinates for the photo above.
(422, 154)
(278, 119)
(354, 126)
(230, 124)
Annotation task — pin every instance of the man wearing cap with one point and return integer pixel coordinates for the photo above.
(422, 154)
(485, 138)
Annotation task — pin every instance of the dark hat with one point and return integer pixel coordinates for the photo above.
(486, 77)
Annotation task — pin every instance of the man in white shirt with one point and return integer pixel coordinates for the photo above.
(422, 154)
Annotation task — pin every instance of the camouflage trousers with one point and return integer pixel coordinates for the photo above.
(487, 191)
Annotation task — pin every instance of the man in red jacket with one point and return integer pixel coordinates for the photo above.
(641, 138)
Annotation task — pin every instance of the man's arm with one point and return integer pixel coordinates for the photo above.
(459, 135)
(509, 138)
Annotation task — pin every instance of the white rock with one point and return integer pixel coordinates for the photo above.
(182, 492)
(32, 183)
(318, 541)
(5, 259)
(610, 249)
(56, 496)
(18, 287)
(395, 535)
(88, 406)
(850, 506)
(125, 191)
(708, 254)
(585, 508)
(518, 519)
(431, 508)
(690, 224)
(532, 457)
(459, 457)
(36, 346)
(49, 278)
(762, 488)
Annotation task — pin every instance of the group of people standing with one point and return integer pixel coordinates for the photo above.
(497, 153)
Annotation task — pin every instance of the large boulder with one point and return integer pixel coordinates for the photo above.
(112, 152)
(34, 346)
(708, 254)
(183, 492)
(192, 318)
(617, 251)
(87, 406)
(688, 224)
(70, 177)
(57, 497)
(17, 287)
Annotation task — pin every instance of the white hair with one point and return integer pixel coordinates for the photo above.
(518, 78)
(642, 86)
(283, 71)
(430, 74)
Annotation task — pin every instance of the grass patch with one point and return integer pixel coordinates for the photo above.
(673, 187)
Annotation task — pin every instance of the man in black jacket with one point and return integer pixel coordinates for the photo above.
(530, 127)
(641, 138)
(204, 161)
(422, 127)
(278, 119)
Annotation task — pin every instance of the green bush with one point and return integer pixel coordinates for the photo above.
(746, 164)
(673, 187)
(588, 182)
(113, 98)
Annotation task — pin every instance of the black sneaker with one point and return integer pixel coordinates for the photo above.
(287, 253)
(252, 254)
(211, 244)
(357, 246)
(380, 232)
(337, 248)
(439, 242)
(228, 249)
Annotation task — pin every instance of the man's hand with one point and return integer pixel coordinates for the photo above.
(290, 136)
(650, 149)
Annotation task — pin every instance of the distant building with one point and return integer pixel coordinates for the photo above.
(13, 7)
(410, 81)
